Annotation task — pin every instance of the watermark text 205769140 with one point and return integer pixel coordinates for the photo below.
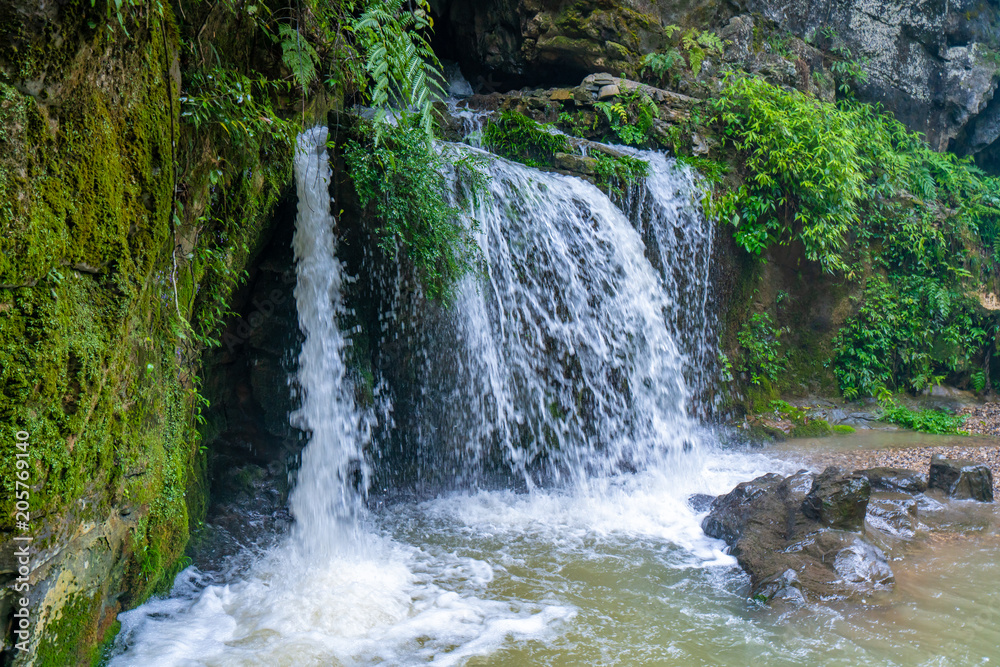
(22, 539)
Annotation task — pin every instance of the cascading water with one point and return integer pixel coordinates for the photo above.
(325, 501)
(576, 356)
(570, 358)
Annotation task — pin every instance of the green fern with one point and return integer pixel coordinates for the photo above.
(400, 61)
(298, 55)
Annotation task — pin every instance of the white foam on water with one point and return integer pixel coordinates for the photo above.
(380, 601)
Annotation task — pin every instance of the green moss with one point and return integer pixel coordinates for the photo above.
(814, 428)
(842, 429)
(71, 635)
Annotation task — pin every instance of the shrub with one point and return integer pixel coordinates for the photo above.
(405, 180)
(761, 358)
(925, 421)
(815, 428)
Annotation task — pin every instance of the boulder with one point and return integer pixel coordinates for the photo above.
(896, 479)
(893, 513)
(798, 536)
(962, 479)
(838, 499)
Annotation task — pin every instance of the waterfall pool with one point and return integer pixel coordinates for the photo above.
(618, 573)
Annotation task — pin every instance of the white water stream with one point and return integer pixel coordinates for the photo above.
(572, 362)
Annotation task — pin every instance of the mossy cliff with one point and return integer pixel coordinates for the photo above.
(123, 231)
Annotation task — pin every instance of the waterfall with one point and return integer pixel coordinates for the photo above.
(574, 355)
(570, 358)
(326, 496)
(666, 211)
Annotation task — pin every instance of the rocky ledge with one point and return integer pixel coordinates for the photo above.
(821, 536)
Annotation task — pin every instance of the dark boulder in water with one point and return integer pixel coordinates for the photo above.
(962, 479)
(799, 536)
(838, 499)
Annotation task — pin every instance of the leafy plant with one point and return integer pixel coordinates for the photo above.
(908, 334)
(925, 421)
(631, 117)
(761, 350)
(403, 179)
(618, 172)
(519, 138)
(298, 55)
(399, 59)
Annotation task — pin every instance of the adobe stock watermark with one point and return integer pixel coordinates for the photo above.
(22, 539)
(262, 310)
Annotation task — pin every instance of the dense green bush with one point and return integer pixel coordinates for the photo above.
(519, 138)
(925, 421)
(762, 358)
(862, 194)
(907, 335)
(813, 167)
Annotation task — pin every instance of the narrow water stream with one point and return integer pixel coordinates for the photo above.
(576, 361)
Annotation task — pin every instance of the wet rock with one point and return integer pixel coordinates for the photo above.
(961, 478)
(838, 499)
(893, 513)
(700, 502)
(729, 513)
(795, 536)
(785, 587)
(577, 164)
(896, 479)
(861, 563)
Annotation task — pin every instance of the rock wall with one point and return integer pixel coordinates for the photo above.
(934, 63)
(110, 258)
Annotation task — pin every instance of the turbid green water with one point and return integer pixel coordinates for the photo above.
(618, 573)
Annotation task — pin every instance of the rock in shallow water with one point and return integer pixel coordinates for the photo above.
(794, 535)
(961, 479)
(838, 499)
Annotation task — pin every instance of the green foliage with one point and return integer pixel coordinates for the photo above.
(712, 170)
(616, 173)
(908, 334)
(630, 117)
(663, 68)
(298, 55)
(699, 45)
(403, 179)
(517, 137)
(849, 72)
(925, 421)
(399, 58)
(814, 428)
(813, 168)
(784, 409)
(761, 356)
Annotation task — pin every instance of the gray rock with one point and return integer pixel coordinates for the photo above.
(961, 479)
(576, 163)
(838, 499)
(792, 555)
(607, 91)
(896, 479)
(861, 563)
(785, 587)
(893, 514)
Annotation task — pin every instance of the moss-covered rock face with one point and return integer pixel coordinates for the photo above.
(91, 366)
(110, 263)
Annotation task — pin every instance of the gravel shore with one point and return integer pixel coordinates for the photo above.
(912, 458)
(982, 419)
